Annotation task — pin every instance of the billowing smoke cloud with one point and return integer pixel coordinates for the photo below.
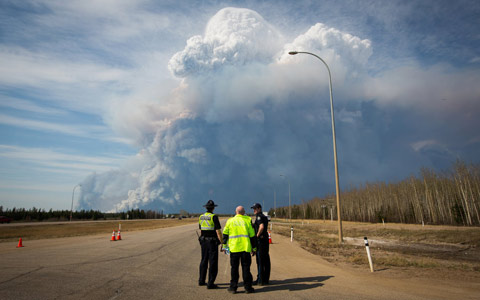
(245, 112)
(232, 37)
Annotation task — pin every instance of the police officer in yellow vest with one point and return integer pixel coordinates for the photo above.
(211, 236)
(239, 236)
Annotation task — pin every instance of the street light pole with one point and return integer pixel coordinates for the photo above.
(340, 233)
(289, 199)
(71, 209)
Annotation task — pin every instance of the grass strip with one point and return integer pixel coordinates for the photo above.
(81, 228)
(321, 239)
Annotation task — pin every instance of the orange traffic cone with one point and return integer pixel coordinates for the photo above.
(113, 236)
(269, 238)
(119, 237)
(20, 243)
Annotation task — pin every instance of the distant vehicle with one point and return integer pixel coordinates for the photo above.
(4, 219)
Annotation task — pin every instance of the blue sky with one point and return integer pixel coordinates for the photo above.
(163, 105)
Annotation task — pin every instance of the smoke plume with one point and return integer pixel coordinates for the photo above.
(244, 112)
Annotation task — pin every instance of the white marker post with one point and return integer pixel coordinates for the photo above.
(368, 253)
(291, 234)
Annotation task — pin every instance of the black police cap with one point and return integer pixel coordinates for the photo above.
(256, 205)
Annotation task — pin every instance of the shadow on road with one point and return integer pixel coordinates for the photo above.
(293, 284)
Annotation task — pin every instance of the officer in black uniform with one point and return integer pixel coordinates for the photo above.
(260, 223)
(210, 238)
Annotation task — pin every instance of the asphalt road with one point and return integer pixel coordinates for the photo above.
(163, 264)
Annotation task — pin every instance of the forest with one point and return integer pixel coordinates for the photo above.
(450, 197)
(35, 214)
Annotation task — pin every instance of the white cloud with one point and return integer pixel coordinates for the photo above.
(40, 126)
(257, 115)
(104, 21)
(439, 88)
(81, 130)
(28, 106)
(81, 55)
(476, 59)
(194, 155)
(233, 36)
(419, 145)
(56, 160)
(337, 45)
(34, 175)
(23, 67)
(67, 83)
(13, 185)
(349, 116)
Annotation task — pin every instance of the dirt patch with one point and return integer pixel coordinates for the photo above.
(412, 250)
(458, 252)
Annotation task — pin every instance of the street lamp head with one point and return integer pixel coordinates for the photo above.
(293, 52)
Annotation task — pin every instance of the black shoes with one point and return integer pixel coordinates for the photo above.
(259, 283)
(247, 290)
(201, 284)
(212, 286)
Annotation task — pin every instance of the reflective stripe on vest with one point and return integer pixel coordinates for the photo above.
(238, 236)
(206, 221)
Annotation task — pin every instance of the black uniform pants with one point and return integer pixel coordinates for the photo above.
(246, 260)
(263, 261)
(209, 256)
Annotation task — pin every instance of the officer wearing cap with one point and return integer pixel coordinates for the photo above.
(210, 238)
(260, 224)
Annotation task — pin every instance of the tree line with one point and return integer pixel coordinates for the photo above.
(35, 214)
(450, 197)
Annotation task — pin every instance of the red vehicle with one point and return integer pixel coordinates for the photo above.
(4, 219)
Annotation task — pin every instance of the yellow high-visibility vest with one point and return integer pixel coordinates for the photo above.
(239, 230)
(206, 221)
